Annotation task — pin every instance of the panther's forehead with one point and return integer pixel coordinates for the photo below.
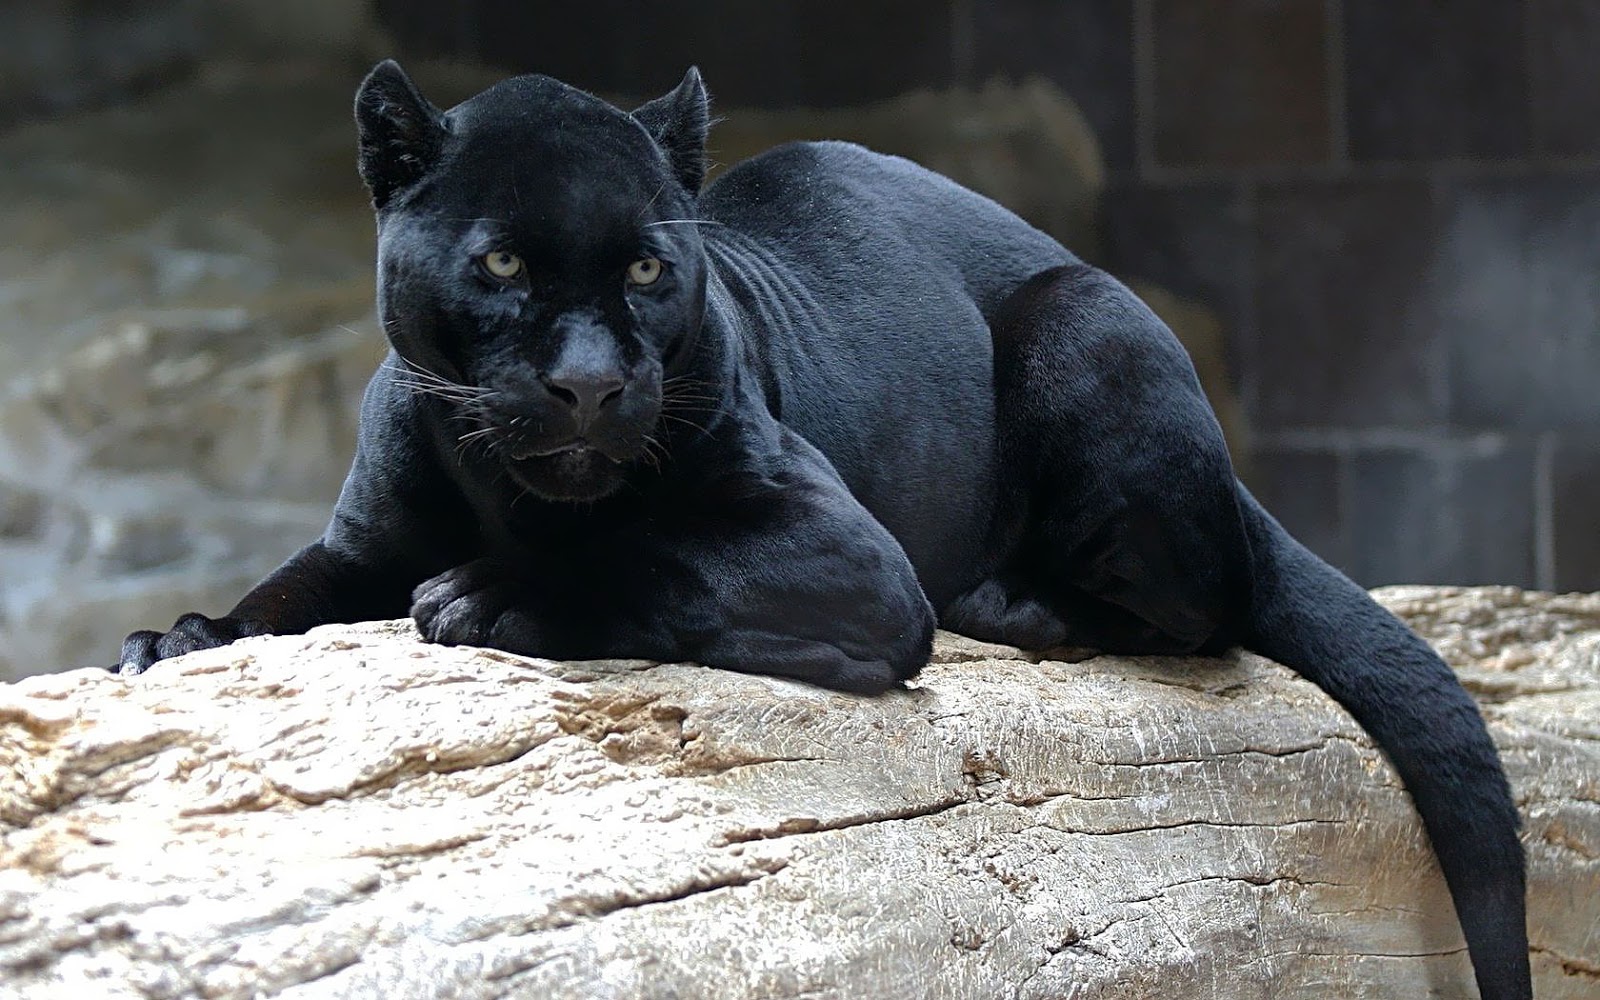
(552, 165)
(551, 135)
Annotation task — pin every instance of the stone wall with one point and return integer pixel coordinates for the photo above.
(184, 331)
(1396, 204)
(62, 55)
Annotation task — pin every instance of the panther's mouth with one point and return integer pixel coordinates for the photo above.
(525, 452)
(577, 448)
(575, 471)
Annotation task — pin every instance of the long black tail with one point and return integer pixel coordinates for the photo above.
(1310, 617)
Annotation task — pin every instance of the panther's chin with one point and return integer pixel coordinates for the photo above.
(576, 474)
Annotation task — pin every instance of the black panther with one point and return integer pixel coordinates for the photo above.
(788, 423)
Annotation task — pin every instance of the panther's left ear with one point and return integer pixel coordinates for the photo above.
(400, 133)
(678, 121)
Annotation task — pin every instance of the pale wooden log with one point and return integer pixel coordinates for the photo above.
(354, 814)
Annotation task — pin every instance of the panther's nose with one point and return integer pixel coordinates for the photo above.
(585, 392)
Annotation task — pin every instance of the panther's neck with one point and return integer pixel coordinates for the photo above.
(751, 297)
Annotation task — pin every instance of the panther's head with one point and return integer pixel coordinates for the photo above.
(538, 265)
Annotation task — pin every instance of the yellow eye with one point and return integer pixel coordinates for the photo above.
(644, 272)
(502, 265)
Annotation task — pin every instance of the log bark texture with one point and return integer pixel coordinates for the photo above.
(354, 814)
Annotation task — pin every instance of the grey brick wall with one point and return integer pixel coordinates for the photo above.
(1394, 204)
(1409, 211)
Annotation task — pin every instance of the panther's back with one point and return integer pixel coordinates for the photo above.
(844, 196)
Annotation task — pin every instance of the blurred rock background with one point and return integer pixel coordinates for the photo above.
(1374, 222)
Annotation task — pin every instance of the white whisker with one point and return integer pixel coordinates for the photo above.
(683, 222)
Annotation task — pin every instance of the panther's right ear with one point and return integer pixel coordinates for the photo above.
(400, 133)
(679, 121)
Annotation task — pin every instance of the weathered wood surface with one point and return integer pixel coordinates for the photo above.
(353, 814)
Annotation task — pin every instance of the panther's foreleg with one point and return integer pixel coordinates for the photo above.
(774, 570)
(315, 586)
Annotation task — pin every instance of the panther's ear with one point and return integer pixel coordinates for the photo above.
(678, 121)
(400, 133)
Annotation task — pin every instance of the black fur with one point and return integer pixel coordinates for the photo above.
(856, 393)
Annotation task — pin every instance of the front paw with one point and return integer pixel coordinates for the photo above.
(480, 603)
(189, 633)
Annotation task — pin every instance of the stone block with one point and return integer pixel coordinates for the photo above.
(779, 54)
(1516, 275)
(1240, 84)
(1427, 80)
(1575, 512)
(1452, 512)
(1564, 68)
(1085, 47)
(1345, 333)
(749, 54)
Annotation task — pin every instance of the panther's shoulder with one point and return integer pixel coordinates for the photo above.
(831, 179)
(810, 161)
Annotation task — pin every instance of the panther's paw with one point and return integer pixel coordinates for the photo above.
(480, 603)
(189, 633)
(991, 613)
(864, 677)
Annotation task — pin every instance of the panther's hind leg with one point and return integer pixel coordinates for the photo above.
(1012, 614)
(1128, 526)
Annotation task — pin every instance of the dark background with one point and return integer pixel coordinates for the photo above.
(1393, 205)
